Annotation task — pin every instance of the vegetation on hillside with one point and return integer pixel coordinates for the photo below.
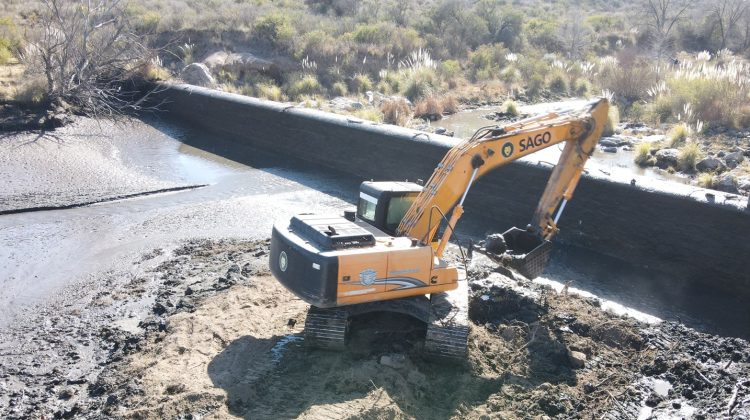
(661, 60)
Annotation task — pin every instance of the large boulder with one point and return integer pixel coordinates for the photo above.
(710, 164)
(726, 183)
(734, 159)
(197, 74)
(246, 62)
(667, 157)
(608, 142)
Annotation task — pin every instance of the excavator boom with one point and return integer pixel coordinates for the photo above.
(493, 147)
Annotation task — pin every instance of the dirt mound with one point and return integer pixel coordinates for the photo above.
(213, 335)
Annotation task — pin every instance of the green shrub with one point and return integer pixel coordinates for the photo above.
(688, 157)
(661, 109)
(339, 89)
(269, 91)
(643, 155)
(450, 69)
(535, 86)
(361, 83)
(275, 30)
(677, 135)
(307, 85)
(558, 84)
(582, 87)
(370, 114)
(510, 107)
(419, 84)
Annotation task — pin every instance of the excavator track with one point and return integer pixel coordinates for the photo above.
(326, 328)
(448, 327)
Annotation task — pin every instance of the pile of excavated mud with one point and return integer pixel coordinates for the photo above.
(205, 331)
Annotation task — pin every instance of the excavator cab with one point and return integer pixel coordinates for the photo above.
(384, 204)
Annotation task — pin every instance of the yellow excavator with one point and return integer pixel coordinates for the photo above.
(388, 255)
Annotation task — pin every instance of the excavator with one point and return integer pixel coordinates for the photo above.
(389, 254)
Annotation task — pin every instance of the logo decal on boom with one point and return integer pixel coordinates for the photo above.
(507, 149)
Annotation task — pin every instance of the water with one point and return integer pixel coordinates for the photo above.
(607, 165)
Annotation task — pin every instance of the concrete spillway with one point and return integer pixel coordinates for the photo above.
(662, 226)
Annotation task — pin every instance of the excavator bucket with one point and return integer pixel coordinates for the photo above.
(528, 251)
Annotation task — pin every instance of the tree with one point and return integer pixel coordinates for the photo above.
(87, 51)
(726, 14)
(661, 16)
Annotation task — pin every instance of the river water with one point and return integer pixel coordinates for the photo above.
(247, 190)
(602, 164)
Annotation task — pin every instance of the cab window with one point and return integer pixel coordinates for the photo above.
(397, 209)
(366, 208)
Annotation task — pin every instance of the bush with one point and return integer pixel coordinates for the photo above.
(361, 83)
(643, 155)
(582, 88)
(450, 69)
(270, 92)
(688, 157)
(419, 84)
(613, 118)
(9, 41)
(430, 109)
(339, 89)
(707, 180)
(274, 30)
(678, 134)
(661, 109)
(396, 112)
(370, 114)
(558, 84)
(32, 92)
(535, 86)
(449, 104)
(510, 108)
(742, 121)
(307, 85)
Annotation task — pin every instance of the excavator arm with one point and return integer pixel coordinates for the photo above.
(491, 148)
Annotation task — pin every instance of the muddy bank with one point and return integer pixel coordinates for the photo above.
(86, 162)
(203, 330)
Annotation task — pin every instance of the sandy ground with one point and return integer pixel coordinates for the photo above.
(204, 332)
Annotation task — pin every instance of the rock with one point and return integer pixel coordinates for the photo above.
(667, 157)
(743, 184)
(721, 153)
(609, 149)
(608, 142)
(393, 360)
(710, 164)
(197, 74)
(577, 359)
(440, 130)
(733, 159)
(726, 183)
(495, 243)
(341, 103)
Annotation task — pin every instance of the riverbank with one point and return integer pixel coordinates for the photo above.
(204, 330)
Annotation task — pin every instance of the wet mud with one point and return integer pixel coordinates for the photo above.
(204, 331)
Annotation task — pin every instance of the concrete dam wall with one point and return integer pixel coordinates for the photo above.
(677, 231)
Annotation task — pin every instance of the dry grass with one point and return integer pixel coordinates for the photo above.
(450, 105)
(396, 112)
(689, 155)
(613, 118)
(510, 108)
(678, 134)
(11, 78)
(430, 109)
(707, 180)
(643, 155)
